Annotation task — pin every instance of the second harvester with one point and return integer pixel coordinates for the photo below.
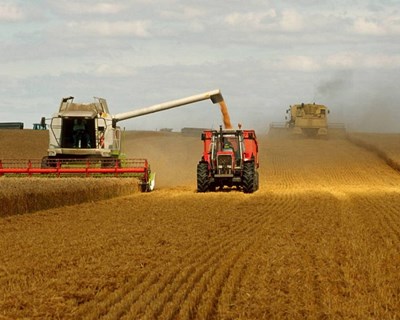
(309, 119)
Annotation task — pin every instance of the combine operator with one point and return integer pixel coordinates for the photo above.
(81, 137)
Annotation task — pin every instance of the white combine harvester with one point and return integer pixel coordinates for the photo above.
(85, 139)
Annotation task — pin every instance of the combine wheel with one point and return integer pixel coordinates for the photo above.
(44, 164)
(146, 187)
(150, 185)
(48, 163)
(249, 178)
(203, 181)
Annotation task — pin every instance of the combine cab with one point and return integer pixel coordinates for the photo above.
(230, 158)
(308, 119)
(86, 140)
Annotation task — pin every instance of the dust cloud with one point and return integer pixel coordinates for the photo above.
(361, 101)
(172, 156)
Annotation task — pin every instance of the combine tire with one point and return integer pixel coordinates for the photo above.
(249, 178)
(203, 181)
(48, 163)
(149, 185)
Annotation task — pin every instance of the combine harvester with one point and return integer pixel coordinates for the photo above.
(85, 140)
(308, 119)
(230, 158)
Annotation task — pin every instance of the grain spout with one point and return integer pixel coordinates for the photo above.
(225, 115)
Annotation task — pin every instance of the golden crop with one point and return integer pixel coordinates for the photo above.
(319, 240)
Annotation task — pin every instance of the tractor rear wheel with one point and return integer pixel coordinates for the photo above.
(249, 177)
(256, 181)
(203, 181)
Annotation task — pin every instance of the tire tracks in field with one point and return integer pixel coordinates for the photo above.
(391, 222)
(388, 219)
(208, 280)
(204, 267)
(282, 209)
(202, 300)
(243, 263)
(303, 262)
(395, 165)
(200, 284)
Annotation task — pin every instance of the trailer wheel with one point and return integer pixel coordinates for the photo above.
(203, 181)
(249, 177)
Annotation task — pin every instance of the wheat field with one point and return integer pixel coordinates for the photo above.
(319, 240)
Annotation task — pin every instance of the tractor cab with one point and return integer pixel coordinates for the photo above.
(229, 144)
(225, 149)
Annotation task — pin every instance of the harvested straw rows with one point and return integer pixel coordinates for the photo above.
(19, 195)
(319, 240)
(23, 195)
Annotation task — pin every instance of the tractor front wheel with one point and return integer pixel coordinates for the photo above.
(203, 181)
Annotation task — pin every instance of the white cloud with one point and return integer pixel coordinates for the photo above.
(251, 20)
(183, 13)
(382, 61)
(381, 23)
(114, 70)
(355, 60)
(342, 60)
(196, 26)
(291, 21)
(368, 27)
(120, 28)
(299, 63)
(106, 8)
(392, 24)
(80, 7)
(10, 13)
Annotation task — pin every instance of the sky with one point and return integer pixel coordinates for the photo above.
(262, 55)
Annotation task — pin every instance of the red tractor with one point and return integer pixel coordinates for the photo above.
(230, 158)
